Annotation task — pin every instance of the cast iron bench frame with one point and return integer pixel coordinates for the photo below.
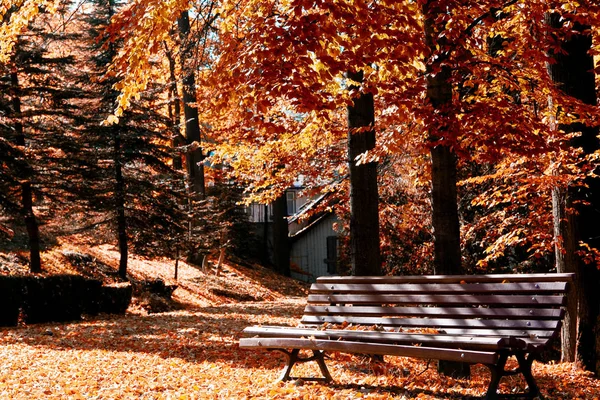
(476, 319)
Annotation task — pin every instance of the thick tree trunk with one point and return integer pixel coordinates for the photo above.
(120, 204)
(446, 228)
(566, 261)
(573, 72)
(194, 158)
(281, 241)
(35, 263)
(364, 196)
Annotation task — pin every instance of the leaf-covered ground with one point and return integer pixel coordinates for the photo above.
(192, 353)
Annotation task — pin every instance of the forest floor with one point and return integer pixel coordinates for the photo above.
(191, 351)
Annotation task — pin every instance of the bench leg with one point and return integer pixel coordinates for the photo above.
(497, 372)
(524, 369)
(294, 358)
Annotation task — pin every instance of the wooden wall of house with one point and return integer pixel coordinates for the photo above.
(309, 250)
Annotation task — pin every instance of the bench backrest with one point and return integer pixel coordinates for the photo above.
(519, 305)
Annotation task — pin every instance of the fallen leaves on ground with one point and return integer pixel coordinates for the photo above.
(193, 354)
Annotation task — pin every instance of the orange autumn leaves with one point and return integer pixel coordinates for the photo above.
(272, 93)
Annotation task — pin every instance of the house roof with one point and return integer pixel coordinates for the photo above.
(319, 218)
(307, 207)
(313, 220)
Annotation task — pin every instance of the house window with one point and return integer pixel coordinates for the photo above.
(332, 256)
(291, 202)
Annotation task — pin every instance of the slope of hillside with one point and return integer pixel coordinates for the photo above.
(195, 288)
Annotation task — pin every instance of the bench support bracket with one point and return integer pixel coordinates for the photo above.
(295, 358)
(497, 370)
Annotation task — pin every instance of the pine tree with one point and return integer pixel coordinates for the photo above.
(36, 129)
(134, 186)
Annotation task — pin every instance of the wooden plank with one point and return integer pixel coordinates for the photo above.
(435, 322)
(534, 333)
(468, 356)
(485, 332)
(429, 339)
(507, 300)
(550, 277)
(440, 288)
(447, 312)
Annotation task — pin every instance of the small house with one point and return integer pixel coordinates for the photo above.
(313, 240)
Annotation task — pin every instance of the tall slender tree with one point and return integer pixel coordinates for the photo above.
(27, 198)
(281, 240)
(135, 185)
(35, 91)
(442, 134)
(194, 157)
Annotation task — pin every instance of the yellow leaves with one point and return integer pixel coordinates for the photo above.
(143, 26)
(25, 12)
(419, 65)
(570, 6)
(111, 120)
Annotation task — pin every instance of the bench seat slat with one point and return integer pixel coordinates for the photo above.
(506, 300)
(468, 356)
(537, 333)
(429, 339)
(542, 334)
(434, 322)
(551, 277)
(440, 288)
(447, 312)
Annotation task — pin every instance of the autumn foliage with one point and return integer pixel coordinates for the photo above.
(272, 89)
(92, 138)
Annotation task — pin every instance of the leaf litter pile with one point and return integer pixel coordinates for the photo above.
(191, 352)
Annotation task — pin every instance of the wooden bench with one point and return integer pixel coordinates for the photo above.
(476, 319)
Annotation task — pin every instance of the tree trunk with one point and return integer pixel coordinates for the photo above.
(573, 72)
(566, 261)
(194, 158)
(265, 243)
(446, 228)
(221, 260)
(174, 113)
(281, 241)
(176, 272)
(120, 204)
(364, 196)
(35, 263)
